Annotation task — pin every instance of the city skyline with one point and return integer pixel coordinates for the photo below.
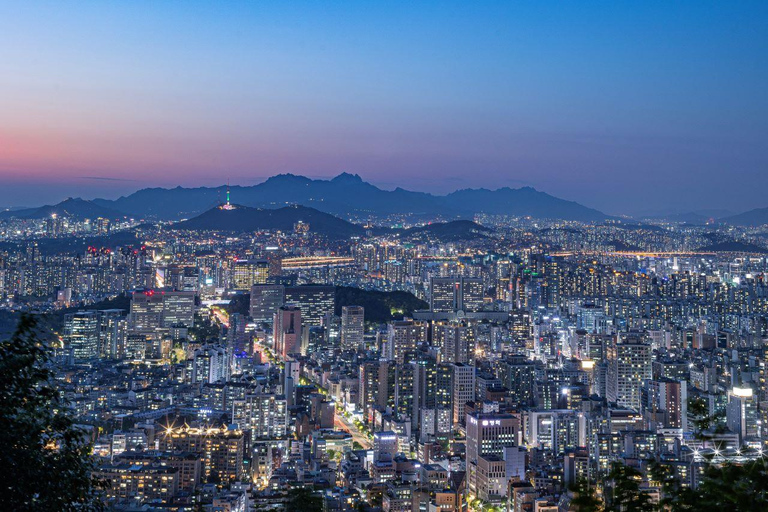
(627, 110)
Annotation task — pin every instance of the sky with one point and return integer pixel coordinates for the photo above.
(628, 107)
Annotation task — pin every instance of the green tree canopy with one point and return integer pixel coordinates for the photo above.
(45, 461)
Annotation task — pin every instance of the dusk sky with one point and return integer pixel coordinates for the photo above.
(627, 107)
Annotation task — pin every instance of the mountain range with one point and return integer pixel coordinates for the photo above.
(348, 195)
(72, 207)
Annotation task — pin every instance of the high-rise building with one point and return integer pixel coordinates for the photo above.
(352, 327)
(403, 337)
(210, 364)
(81, 334)
(742, 414)
(246, 273)
(287, 330)
(463, 387)
(153, 309)
(629, 366)
(265, 300)
(488, 435)
(456, 342)
(112, 331)
(314, 301)
(449, 294)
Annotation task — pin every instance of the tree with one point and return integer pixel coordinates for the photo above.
(625, 494)
(303, 500)
(45, 459)
(585, 499)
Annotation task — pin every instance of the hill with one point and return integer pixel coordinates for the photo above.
(243, 218)
(523, 202)
(74, 208)
(348, 194)
(379, 306)
(733, 246)
(756, 217)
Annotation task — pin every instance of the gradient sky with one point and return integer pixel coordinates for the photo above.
(624, 106)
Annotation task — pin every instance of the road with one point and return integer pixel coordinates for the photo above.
(341, 423)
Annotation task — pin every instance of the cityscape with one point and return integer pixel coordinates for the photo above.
(381, 340)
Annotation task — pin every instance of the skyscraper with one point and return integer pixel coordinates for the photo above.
(81, 334)
(629, 366)
(265, 300)
(352, 327)
(287, 330)
(247, 273)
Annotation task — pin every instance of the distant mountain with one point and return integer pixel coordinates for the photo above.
(733, 246)
(73, 208)
(756, 217)
(523, 202)
(244, 218)
(348, 194)
(449, 231)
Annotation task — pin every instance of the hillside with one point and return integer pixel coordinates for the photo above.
(756, 217)
(243, 218)
(72, 208)
(379, 306)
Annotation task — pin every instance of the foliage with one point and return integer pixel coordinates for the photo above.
(625, 494)
(303, 500)
(45, 462)
(722, 487)
(380, 307)
(585, 499)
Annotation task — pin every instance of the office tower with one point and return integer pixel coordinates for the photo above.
(518, 376)
(287, 330)
(629, 366)
(665, 403)
(81, 334)
(488, 435)
(352, 327)
(449, 294)
(742, 415)
(210, 364)
(463, 387)
(153, 309)
(402, 337)
(456, 342)
(112, 331)
(246, 273)
(384, 446)
(265, 301)
(178, 309)
(442, 294)
(377, 385)
(146, 312)
(315, 302)
(432, 412)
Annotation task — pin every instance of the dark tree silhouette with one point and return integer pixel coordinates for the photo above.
(45, 461)
(624, 494)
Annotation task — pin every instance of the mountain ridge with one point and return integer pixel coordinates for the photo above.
(348, 194)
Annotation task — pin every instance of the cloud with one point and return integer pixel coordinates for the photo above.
(104, 178)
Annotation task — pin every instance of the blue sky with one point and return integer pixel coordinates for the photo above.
(623, 106)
